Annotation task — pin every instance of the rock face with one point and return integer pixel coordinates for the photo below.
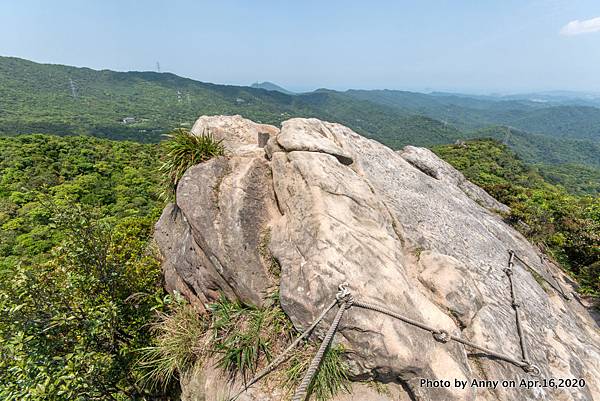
(214, 239)
(404, 229)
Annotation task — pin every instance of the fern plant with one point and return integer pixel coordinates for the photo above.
(183, 150)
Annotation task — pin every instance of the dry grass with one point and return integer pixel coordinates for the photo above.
(176, 339)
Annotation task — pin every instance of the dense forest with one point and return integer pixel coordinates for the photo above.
(555, 119)
(141, 106)
(79, 281)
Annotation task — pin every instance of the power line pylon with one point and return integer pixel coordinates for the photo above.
(73, 88)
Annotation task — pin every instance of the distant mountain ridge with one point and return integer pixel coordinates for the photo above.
(58, 99)
(270, 86)
(468, 113)
(560, 97)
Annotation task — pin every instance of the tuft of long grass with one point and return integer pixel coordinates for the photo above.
(176, 341)
(331, 378)
(182, 150)
(244, 336)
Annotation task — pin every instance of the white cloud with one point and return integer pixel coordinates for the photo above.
(579, 27)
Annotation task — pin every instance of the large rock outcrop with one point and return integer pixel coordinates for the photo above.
(404, 229)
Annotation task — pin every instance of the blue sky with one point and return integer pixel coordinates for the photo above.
(471, 46)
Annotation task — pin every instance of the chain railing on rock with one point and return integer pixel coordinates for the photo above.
(556, 285)
(345, 300)
(516, 305)
(284, 355)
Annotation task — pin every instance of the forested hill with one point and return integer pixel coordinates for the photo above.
(43, 98)
(270, 86)
(140, 106)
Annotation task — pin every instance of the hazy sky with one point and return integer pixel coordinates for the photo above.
(474, 46)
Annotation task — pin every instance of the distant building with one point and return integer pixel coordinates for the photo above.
(128, 120)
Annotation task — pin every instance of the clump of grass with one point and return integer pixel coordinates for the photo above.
(183, 150)
(176, 340)
(244, 337)
(379, 387)
(418, 251)
(331, 378)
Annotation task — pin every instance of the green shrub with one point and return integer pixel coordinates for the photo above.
(71, 324)
(183, 150)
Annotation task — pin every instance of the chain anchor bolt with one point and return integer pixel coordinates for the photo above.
(533, 369)
(441, 335)
(344, 295)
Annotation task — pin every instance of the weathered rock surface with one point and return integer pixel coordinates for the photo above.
(404, 229)
(239, 135)
(216, 237)
(426, 161)
(209, 384)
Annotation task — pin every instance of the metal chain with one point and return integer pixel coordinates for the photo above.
(516, 305)
(556, 286)
(302, 390)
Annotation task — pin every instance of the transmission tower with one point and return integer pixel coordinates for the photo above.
(507, 136)
(73, 88)
(157, 66)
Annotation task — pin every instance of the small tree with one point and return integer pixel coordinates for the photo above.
(70, 326)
